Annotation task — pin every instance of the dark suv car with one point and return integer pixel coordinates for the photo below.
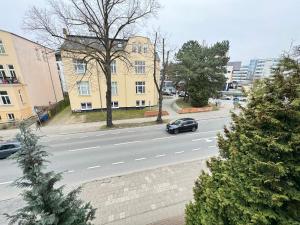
(182, 125)
(8, 148)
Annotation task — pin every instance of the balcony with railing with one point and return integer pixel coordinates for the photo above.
(9, 80)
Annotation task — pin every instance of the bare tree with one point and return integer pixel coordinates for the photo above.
(159, 83)
(97, 28)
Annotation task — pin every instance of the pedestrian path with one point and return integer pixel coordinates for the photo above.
(151, 197)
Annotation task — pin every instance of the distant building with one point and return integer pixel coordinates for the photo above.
(28, 77)
(131, 86)
(230, 68)
(262, 68)
(241, 76)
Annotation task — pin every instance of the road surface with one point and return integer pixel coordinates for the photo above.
(88, 156)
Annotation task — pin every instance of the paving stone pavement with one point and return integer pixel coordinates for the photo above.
(152, 197)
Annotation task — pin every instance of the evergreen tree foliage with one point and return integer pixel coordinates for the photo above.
(45, 204)
(256, 179)
(203, 68)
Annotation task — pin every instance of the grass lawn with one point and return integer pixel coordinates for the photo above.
(117, 115)
(182, 104)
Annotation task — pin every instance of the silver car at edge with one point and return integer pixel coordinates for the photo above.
(8, 148)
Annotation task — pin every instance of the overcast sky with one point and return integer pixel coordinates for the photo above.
(255, 28)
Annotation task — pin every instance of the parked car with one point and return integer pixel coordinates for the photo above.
(182, 125)
(166, 91)
(9, 148)
(182, 94)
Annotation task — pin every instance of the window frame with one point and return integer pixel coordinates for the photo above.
(87, 107)
(114, 103)
(2, 72)
(11, 117)
(140, 67)
(80, 89)
(12, 72)
(140, 84)
(113, 67)
(139, 103)
(5, 100)
(78, 64)
(115, 93)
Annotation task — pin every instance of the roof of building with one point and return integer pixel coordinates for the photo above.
(236, 65)
(26, 39)
(77, 42)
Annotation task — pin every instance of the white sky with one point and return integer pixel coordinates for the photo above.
(255, 28)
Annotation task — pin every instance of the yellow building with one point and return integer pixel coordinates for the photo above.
(28, 77)
(132, 82)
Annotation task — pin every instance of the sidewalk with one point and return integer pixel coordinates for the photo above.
(151, 197)
(224, 111)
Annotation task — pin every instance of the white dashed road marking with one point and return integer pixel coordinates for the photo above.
(196, 149)
(208, 140)
(70, 171)
(139, 159)
(158, 156)
(93, 167)
(126, 143)
(212, 146)
(117, 163)
(161, 138)
(82, 149)
(179, 152)
(7, 182)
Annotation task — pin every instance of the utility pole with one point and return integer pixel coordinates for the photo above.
(50, 74)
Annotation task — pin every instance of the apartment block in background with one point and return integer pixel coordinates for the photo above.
(132, 83)
(28, 77)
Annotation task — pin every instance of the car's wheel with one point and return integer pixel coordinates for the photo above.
(194, 129)
(176, 131)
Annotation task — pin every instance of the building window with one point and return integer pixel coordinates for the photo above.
(115, 104)
(145, 48)
(2, 72)
(79, 66)
(10, 116)
(140, 103)
(140, 87)
(12, 71)
(140, 67)
(86, 106)
(5, 98)
(134, 47)
(140, 48)
(37, 53)
(114, 88)
(83, 88)
(2, 49)
(113, 67)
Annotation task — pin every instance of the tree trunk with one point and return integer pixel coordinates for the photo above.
(109, 122)
(159, 115)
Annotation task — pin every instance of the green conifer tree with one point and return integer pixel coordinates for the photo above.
(45, 203)
(256, 179)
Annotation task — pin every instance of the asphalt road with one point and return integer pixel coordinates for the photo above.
(88, 156)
